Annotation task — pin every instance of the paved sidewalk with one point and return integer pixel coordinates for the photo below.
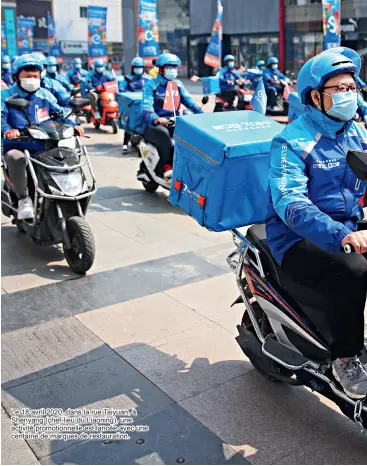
(151, 328)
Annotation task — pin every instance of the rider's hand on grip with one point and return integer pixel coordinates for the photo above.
(161, 121)
(356, 240)
(12, 133)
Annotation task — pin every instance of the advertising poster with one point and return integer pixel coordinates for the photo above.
(331, 23)
(213, 56)
(97, 33)
(53, 41)
(11, 31)
(25, 34)
(4, 50)
(148, 34)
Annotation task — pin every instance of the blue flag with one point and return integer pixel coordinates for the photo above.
(259, 99)
(213, 55)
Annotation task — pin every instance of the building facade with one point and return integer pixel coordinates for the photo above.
(72, 27)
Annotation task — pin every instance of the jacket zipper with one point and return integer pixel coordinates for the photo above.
(206, 157)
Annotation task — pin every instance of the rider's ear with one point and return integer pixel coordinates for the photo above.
(315, 97)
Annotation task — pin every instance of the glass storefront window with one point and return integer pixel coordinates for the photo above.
(174, 28)
(251, 48)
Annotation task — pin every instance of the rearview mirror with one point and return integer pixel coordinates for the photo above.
(17, 104)
(357, 160)
(205, 100)
(78, 102)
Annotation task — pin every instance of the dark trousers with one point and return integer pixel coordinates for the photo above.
(228, 96)
(160, 137)
(343, 279)
(17, 169)
(127, 138)
(272, 92)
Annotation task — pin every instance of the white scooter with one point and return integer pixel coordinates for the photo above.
(149, 173)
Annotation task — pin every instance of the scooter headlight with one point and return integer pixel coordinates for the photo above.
(71, 183)
(38, 134)
(68, 132)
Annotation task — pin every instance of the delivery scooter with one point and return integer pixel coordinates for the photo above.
(108, 106)
(150, 171)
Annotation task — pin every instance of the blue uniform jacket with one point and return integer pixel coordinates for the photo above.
(61, 79)
(74, 76)
(313, 192)
(154, 92)
(7, 77)
(133, 83)
(57, 90)
(270, 75)
(42, 102)
(227, 74)
(93, 79)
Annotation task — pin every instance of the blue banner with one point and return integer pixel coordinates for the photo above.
(25, 34)
(53, 41)
(11, 31)
(97, 33)
(4, 49)
(259, 99)
(148, 34)
(213, 56)
(331, 23)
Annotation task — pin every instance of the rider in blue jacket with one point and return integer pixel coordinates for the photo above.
(155, 116)
(228, 76)
(52, 72)
(6, 75)
(57, 90)
(272, 77)
(92, 81)
(76, 73)
(27, 76)
(314, 210)
(133, 82)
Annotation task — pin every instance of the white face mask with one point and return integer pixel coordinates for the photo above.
(52, 69)
(170, 74)
(30, 84)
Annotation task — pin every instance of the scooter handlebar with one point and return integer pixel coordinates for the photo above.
(348, 249)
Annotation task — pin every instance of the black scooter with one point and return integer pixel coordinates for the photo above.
(59, 184)
(282, 331)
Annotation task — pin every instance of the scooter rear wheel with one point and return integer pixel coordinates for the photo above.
(80, 256)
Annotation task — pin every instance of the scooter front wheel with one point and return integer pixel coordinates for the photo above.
(115, 126)
(150, 186)
(80, 256)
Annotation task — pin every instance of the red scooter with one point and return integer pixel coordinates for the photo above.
(109, 113)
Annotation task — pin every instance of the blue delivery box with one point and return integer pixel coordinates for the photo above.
(130, 108)
(221, 168)
(210, 85)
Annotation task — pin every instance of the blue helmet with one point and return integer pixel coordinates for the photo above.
(316, 71)
(5, 59)
(228, 58)
(272, 61)
(52, 61)
(27, 59)
(41, 57)
(98, 63)
(137, 61)
(168, 59)
(77, 61)
(260, 63)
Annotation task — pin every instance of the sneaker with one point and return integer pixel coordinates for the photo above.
(167, 172)
(124, 149)
(352, 376)
(25, 208)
